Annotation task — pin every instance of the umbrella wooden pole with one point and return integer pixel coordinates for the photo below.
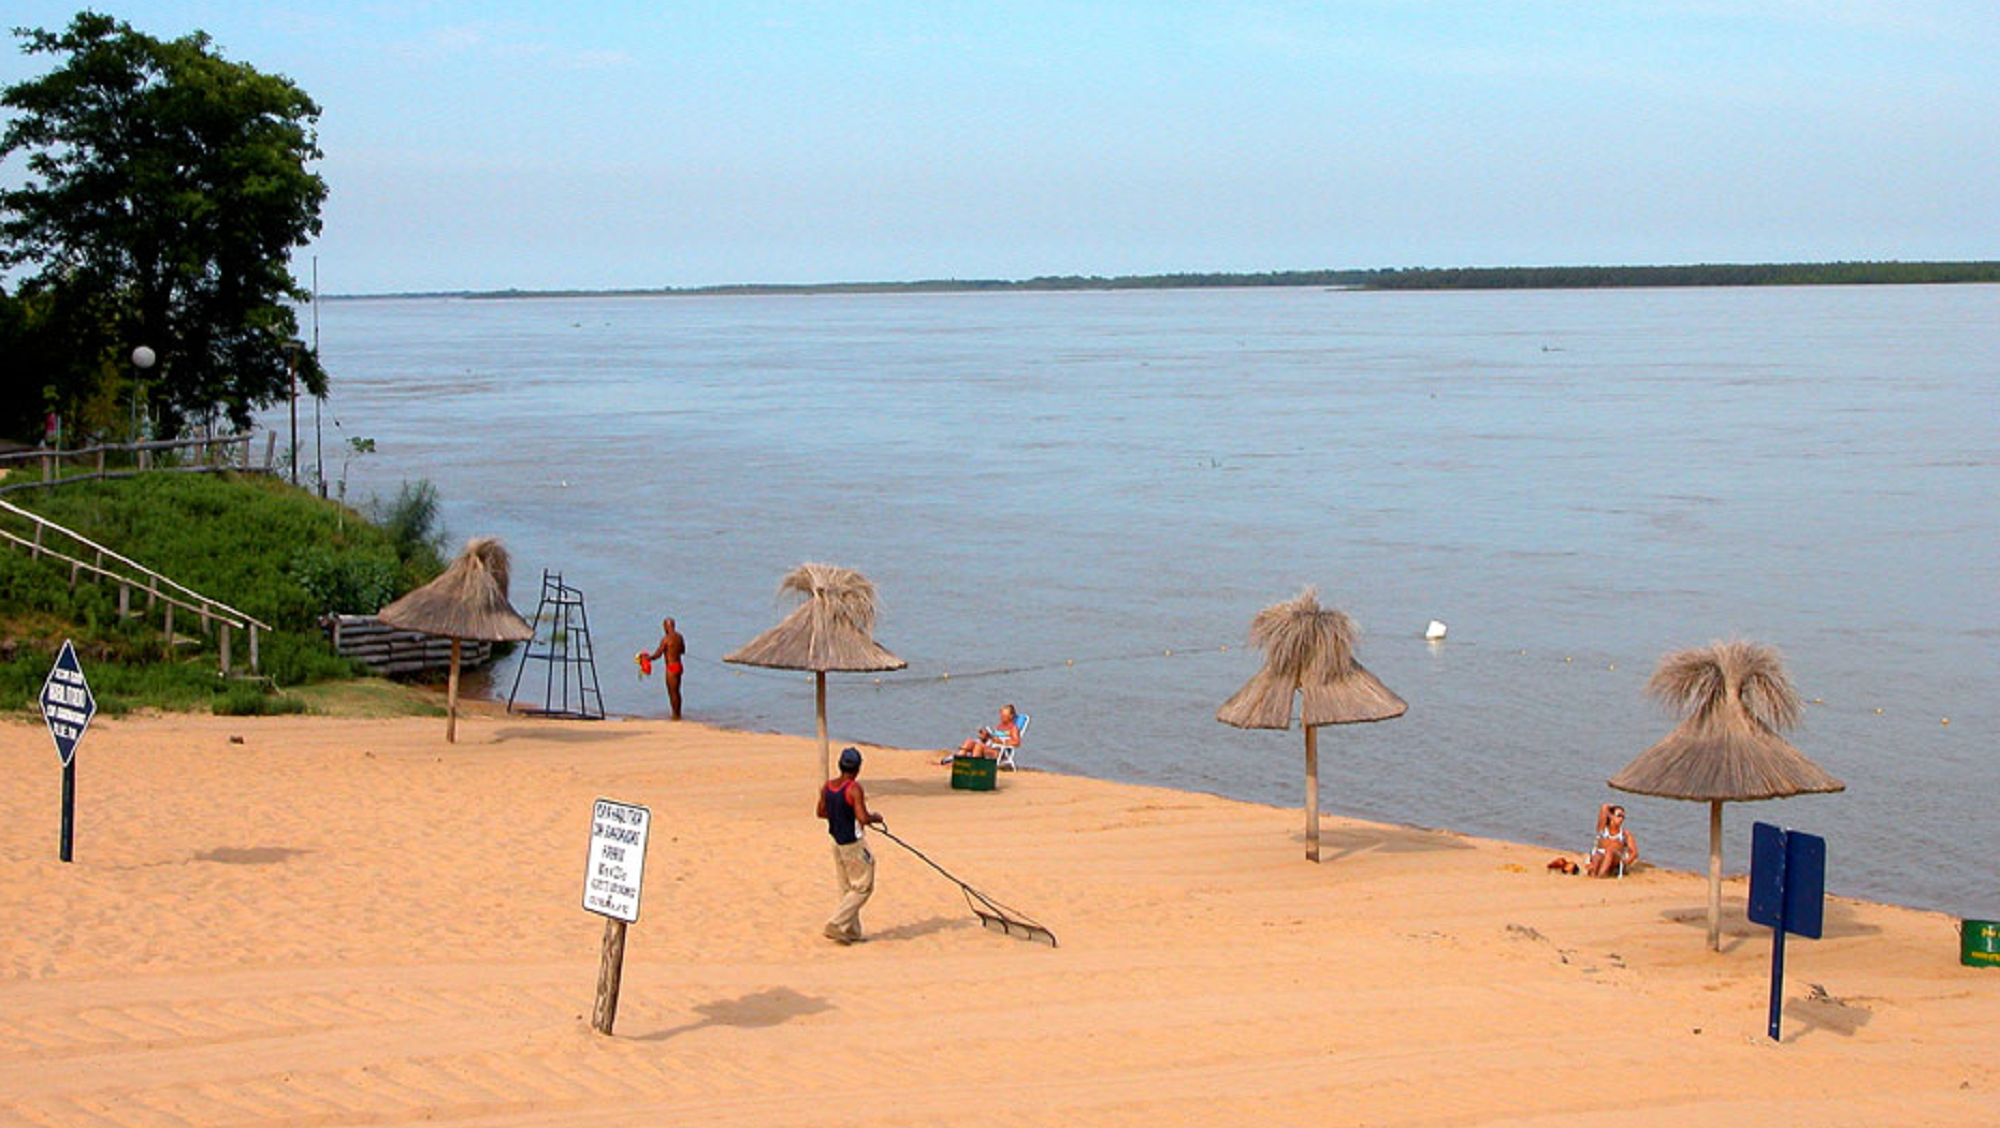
(451, 699)
(819, 710)
(1715, 875)
(1312, 793)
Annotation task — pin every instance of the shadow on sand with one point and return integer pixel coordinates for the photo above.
(1839, 923)
(1821, 1011)
(1337, 844)
(250, 855)
(582, 732)
(926, 927)
(771, 1007)
(940, 787)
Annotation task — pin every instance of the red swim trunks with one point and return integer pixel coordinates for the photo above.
(674, 668)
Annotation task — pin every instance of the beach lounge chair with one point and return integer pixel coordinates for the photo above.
(1006, 759)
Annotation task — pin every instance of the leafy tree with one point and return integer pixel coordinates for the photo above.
(166, 188)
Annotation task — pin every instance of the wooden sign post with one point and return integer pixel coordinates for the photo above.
(611, 889)
(67, 706)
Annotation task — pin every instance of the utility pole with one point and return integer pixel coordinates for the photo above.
(319, 436)
(292, 366)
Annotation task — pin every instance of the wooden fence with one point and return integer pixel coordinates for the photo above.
(388, 650)
(130, 576)
(211, 454)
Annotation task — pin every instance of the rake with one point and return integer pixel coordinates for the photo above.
(994, 915)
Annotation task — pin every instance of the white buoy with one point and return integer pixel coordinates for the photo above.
(1434, 632)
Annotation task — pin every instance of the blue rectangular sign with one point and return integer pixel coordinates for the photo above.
(1787, 880)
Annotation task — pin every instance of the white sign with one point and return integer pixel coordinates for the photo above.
(617, 859)
(67, 703)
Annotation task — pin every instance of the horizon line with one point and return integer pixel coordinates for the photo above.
(1856, 271)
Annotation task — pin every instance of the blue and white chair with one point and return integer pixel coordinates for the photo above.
(1006, 757)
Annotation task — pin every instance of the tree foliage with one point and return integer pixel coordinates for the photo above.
(166, 188)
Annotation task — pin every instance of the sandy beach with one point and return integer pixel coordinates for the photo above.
(350, 922)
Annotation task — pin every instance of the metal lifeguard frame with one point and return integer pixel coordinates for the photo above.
(566, 647)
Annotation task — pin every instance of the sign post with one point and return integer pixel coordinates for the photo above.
(1787, 893)
(67, 706)
(611, 889)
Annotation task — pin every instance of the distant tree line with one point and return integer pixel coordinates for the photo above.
(1412, 278)
(955, 285)
(1705, 274)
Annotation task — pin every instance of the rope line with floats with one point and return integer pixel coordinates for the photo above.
(909, 680)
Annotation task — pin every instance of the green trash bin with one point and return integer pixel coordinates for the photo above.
(973, 773)
(1979, 943)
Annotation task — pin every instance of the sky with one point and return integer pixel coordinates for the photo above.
(497, 144)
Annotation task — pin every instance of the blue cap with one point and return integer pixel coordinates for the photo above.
(850, 759)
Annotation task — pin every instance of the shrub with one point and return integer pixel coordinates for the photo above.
(349, 583)
(251, 701)
(296, 659)
(411, 523)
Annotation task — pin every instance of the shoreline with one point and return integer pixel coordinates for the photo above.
(344, 920)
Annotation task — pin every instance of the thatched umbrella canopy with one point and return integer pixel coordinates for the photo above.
(832, 629)
(1735, 698)
(1308, 653)
(468, 601)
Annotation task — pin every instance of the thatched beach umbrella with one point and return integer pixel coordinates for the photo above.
(1735, 698)
(831, 630)
(1308, 651)
(468, 601)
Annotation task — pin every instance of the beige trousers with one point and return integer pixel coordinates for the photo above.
(855, 867)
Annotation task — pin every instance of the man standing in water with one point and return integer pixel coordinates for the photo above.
(672, 647)
(845, 809)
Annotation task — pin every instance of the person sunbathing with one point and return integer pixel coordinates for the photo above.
(1615, 850)
(991, 742)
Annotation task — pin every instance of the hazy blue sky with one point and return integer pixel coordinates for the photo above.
(493, 144)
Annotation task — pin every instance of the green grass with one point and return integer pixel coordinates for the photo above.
(253, 701)
(277, 553)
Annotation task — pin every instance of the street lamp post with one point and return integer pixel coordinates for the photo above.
(143, 358)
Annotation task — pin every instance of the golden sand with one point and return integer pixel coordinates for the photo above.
(349, 922)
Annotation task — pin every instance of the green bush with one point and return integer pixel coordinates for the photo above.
(411, 523)
(350, 583)
(297, 659)
(251, 701)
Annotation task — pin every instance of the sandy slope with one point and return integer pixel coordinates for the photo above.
(346, 922)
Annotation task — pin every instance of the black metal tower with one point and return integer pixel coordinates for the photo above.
(570, 681)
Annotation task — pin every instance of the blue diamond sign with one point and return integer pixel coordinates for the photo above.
(66, 703)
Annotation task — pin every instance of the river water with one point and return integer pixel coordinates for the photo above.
(1094, 492)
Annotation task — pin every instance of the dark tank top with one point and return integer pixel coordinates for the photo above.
(840, 813)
